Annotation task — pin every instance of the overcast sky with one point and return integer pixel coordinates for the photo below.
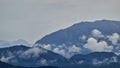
(32, 19)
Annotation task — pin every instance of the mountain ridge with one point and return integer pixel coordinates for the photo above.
(84, 25)
(80, 35)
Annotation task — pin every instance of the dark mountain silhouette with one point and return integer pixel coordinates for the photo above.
(12, 51)
(31, 57)
(95, 57)
(6, 65)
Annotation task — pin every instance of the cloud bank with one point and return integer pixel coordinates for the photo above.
(33, 52)
(66, 51)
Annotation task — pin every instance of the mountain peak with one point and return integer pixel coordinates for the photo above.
(103, 34)
(4, 43)
(82, 28)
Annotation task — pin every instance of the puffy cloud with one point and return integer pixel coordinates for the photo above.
(67, 51)
(94, 46)
(114, 38)
(33, 52)
(59, 51)
(74, 48)
(48, 46)
(97, 33)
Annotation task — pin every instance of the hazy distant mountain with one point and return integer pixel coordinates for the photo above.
(4, 43)
(85, 36)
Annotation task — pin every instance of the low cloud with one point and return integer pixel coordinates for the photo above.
(74, 49)
(5, 59)
(33, 52)
(114, 38)
(97, 33)
(95, 46)
(59, 51)
(48, 46)
(67, 51)
(64, 50)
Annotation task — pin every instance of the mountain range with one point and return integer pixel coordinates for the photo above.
(30, 56)
(80, 45)
(25, 57)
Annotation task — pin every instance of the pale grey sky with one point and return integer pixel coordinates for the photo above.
(33, 19)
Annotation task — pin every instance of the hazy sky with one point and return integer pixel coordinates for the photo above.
(33, 19)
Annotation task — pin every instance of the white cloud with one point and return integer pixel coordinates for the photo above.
(59, 51)
(33, 52)
(114, 38)
(48, 46)
(94, 46)
(97, 33)
(5, 59)
(74, 48)
(67, 51)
